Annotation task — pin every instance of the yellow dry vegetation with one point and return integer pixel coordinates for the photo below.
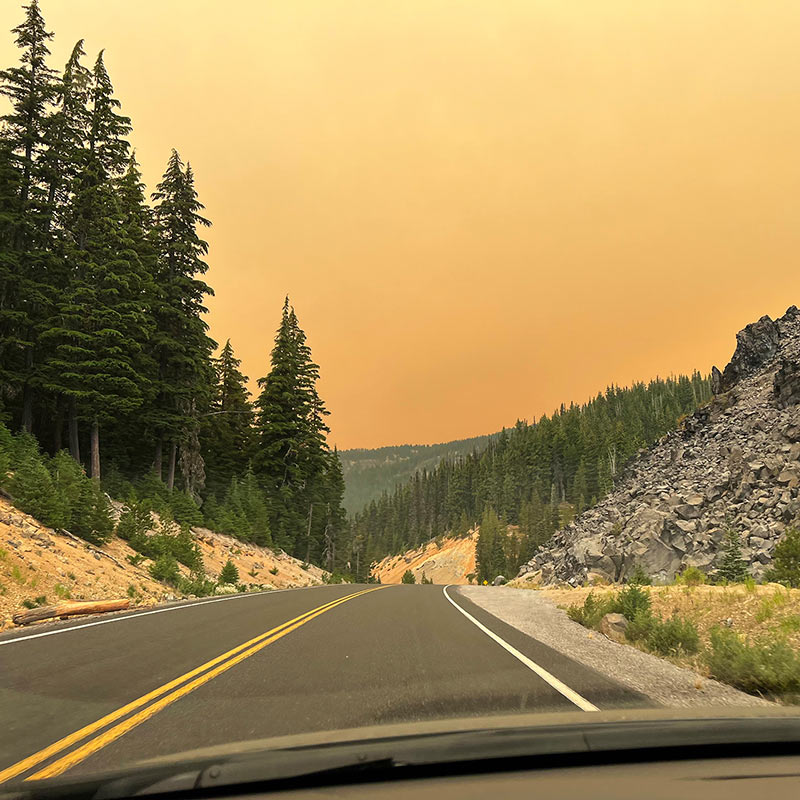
(754, 611)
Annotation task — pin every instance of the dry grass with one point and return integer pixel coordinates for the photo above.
(756, 611)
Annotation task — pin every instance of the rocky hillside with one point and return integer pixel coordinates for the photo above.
(448, 561)
(39, 565)
(735, 462)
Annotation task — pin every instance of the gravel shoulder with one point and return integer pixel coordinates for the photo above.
(662, 681)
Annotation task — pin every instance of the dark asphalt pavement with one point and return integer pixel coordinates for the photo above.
(398, 654)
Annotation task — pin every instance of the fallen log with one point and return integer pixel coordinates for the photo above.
(69, 609)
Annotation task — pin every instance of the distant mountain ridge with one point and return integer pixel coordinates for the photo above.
(369, 473)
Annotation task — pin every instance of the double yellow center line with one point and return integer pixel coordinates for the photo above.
(163, 696)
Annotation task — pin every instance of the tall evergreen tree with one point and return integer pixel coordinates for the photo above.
(228, 431)
(183, 348)
(292, 457)
(30, 87)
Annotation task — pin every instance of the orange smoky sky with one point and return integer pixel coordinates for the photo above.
(480, 209)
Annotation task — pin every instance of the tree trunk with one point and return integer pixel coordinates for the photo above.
(173, 451)
(27, 409)
(58, 425)
(74, 440)
(157, 461)
(308, 544)
(70, 609)
(95, 449)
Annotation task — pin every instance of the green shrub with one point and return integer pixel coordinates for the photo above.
(229, 573)
(786, 560)
(198, 584)
(32, 489)
(691, 576)
(593, 610)
(184, 510)
(639, 577)
(768, 665)
(134, 522)
(274, 571)
(790, 624)
(408, 577)
(62, 592)
(165, 568)
(91, 516)
(640, 626)
(631, 600)
(672, 637)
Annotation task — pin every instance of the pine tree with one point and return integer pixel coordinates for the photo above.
(30, 87)
(66, 134)
(230, 573)
(292, 459)
(732, 567)
(786, 560)
(183, 348)
(228, 431)
(24, 306)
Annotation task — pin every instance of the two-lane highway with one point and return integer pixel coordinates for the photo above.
(87, 696)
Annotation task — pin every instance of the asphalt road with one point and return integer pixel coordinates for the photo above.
(230, 669)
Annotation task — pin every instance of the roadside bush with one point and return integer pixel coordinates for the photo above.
(691, 576)
(165, 569)
(639, 577)
(631, 600)
(198, 584)
(640, 626)
(592, 610)
(408, 577)
(769, 665)
(672, 637)
(229, 573)
(786, 560)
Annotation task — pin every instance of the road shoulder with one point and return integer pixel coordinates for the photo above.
(659, 680)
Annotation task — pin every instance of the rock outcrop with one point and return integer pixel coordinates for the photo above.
(734, 462)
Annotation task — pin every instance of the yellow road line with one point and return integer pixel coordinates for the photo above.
(36, 758)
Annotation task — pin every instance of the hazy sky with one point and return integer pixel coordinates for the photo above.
(480, 209)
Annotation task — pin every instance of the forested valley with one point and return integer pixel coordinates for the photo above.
(108, 376)
(535, 476)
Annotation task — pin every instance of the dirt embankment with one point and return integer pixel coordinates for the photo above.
(39, 565)
(449, 562)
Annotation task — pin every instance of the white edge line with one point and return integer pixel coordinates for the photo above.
(137, 614)
(558, 685)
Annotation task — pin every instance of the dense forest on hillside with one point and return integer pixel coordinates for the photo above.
(369, 473)
(536, 476)
(106, 366)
